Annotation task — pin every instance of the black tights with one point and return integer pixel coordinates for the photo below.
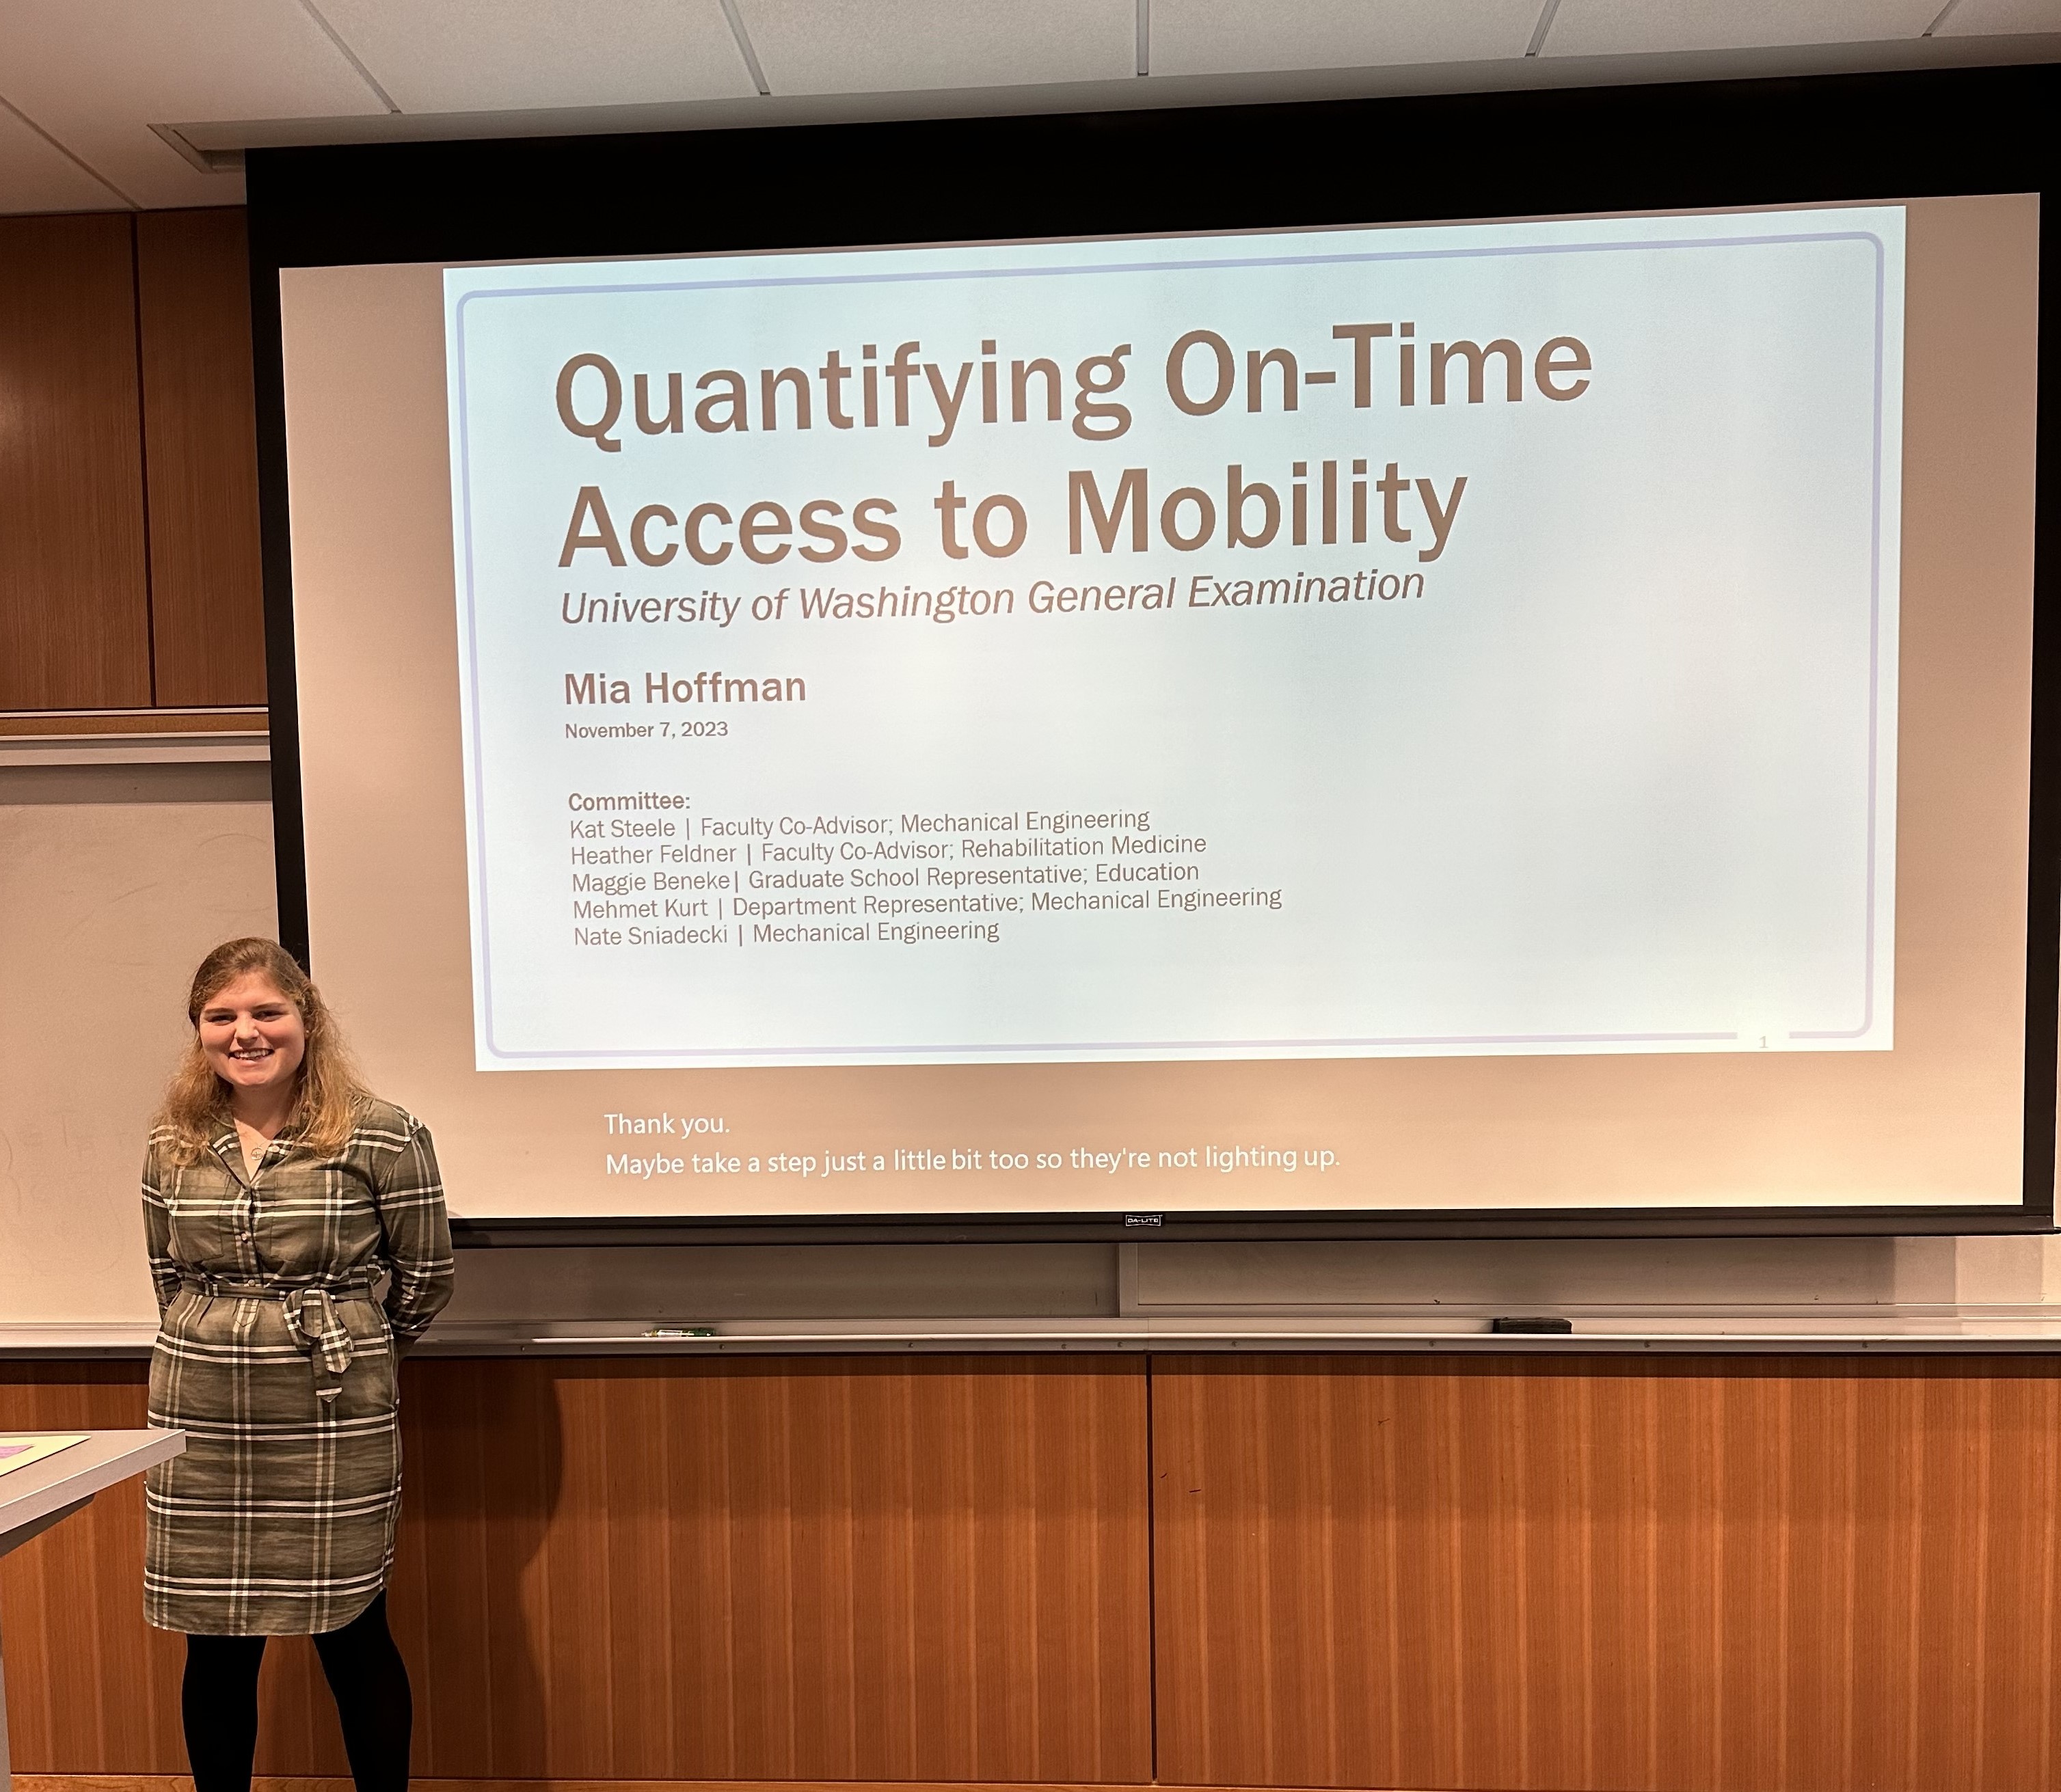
(219, 1701)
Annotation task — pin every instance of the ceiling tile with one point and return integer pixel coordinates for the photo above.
(97, 74)
(508, 55)
(866, 46)
(36, 176)
(1234, 37)
(1981, 18)
(1636, 27)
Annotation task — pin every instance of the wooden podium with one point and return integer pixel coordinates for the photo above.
(42, 1493)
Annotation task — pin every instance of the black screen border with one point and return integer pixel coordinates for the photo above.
(1816, 140)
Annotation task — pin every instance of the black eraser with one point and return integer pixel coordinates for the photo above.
(1543, 1323)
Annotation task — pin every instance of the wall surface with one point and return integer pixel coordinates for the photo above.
(1722, 1575)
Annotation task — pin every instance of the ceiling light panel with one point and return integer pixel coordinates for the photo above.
(1985, 18)
(36, 176)
(523, 55)
(853, 47)
(1641, 27)
(97, 73)
(1236, 37)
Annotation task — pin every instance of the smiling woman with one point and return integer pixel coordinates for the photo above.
(277, 1195)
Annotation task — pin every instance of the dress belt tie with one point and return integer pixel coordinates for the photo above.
(312, 1321)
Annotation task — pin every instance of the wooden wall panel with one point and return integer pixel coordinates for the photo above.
(1744, 1575)
(1818, 1575)
(766, 1570)
(88, 1681)
(192, 289)
(74, 624)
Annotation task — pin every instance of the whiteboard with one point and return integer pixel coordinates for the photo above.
(114, 881)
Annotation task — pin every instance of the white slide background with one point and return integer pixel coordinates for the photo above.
(1619, 777)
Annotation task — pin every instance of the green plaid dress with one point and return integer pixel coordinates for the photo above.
(279, 1365)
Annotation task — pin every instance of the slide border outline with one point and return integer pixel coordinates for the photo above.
(477, 818)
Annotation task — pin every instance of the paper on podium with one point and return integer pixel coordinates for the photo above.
(18, 1451)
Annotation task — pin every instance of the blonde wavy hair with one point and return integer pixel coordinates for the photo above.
(196, 1104)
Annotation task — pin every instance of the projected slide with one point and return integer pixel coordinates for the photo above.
(1470, 640)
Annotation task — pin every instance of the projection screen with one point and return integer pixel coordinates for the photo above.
(1515, 716)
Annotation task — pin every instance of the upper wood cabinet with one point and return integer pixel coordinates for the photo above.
(129, 560)
(193, 291)
(74, 614)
